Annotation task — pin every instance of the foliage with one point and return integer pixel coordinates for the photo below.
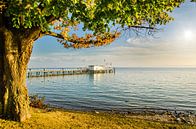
(37, 102)
(96, 16)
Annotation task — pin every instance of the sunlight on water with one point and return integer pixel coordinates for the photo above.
(129, 88)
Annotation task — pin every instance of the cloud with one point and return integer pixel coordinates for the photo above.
(135, 53)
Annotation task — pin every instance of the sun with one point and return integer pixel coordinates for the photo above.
(188, 34)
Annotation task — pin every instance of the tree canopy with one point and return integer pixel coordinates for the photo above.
(95, 15)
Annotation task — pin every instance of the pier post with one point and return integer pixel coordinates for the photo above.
(63, 71)
(44, 72)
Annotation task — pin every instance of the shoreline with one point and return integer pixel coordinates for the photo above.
(128, 111)
(158, 115)
(152, 114)
(58, 118)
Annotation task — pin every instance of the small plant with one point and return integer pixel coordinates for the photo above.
(37, 102)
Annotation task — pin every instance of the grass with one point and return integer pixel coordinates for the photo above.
(59, 119)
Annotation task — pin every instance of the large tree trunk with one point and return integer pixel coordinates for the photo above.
(15, 51)
(1, 74)
(1, 65)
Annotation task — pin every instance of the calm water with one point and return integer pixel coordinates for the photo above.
(128, 88)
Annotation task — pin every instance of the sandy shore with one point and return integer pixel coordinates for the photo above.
(64, 119)
(158, 115)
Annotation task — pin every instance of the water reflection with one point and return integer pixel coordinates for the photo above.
(95, 78)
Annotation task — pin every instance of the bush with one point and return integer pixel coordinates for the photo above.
(37, 102)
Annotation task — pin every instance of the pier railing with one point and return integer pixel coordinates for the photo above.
(44, 72)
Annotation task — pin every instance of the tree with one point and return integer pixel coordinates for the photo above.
(24, 21)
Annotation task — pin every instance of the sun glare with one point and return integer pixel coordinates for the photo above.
(188, 35)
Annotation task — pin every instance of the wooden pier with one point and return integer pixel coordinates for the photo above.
(45, 72)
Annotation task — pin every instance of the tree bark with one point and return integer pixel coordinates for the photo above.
(1, 74)
(1, 65)
(16, 48)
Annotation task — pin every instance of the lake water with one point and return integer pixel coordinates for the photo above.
(127, 89)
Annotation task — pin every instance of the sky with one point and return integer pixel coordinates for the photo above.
(173, 46)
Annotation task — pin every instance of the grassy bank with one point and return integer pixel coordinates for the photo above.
(59, 119)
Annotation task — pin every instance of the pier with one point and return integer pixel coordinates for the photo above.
(44, 72)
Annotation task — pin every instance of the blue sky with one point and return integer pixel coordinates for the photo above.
(175, 45)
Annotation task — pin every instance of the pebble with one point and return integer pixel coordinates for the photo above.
(178, 120)
(96, 112)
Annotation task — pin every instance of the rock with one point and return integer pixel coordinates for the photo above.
(173, 116)
(96, 112)
(178, 120)
(183, 120)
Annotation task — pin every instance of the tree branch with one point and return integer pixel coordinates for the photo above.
(85, 42)
(53, 34)
(141, 27)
